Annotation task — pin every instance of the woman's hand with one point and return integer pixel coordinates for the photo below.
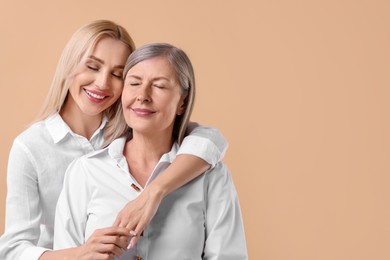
(105, 243)
(138, 213)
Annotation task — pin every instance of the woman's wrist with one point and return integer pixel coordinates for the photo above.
(64, 254)
(158, 189)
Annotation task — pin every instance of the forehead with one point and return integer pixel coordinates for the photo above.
(110, 50)
(153, 67)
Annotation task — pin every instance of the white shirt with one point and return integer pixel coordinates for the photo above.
(201, 220)
(37, 163)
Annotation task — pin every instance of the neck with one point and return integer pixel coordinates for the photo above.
(80, 123)
(143, 152)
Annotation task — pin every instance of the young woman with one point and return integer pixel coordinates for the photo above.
(201, 220)
(78, 117)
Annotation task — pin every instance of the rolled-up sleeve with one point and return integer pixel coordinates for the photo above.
(205, 142)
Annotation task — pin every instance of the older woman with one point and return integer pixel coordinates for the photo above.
(201, 220)
(80, 116)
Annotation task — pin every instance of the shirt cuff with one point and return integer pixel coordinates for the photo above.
(203, 148)
(33, 253)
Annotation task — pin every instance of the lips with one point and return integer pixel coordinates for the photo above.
(143, 111)
(95, 95)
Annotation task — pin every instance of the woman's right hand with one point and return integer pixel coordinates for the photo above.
(105, 243)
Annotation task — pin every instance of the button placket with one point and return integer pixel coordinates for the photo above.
(133, 182)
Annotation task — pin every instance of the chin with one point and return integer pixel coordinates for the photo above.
(93, 112)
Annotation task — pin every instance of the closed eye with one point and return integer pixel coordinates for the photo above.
(116, 75)
(92, 68)
(158, 86)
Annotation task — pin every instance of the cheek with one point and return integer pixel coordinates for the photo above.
(173, 107)
(84, 77)
(127, 97)
(75, 85)
(79, 81)
(117, 88)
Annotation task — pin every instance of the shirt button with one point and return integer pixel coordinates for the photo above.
(138, 258)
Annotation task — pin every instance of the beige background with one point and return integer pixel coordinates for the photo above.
(299, 88)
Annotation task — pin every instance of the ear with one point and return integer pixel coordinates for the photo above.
(182, 105)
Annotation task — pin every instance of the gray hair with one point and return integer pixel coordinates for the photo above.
(182, 66)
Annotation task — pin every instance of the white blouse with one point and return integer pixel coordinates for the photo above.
(37, 163)
(201, 220)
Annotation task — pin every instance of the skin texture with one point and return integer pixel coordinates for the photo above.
(152, 97)
(100, 76)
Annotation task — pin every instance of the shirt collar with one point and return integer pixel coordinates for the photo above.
(58, 129)
(115, 150)
(171, 155)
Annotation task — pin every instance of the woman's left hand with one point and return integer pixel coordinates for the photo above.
(138, 213)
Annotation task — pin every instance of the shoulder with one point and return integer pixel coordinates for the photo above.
(95, 154)
(87, 159)
(87, 169)
(219, 175)
(37, 129)
(219, 169)
(35, 136)
(220, 184)
(114, 150)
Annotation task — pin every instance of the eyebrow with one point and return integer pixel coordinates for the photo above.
(132, 76)
(138, 77)
(102, 61)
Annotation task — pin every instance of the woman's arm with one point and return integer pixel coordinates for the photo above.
(225, 235)
(23, 210)
(102, 243)
(202, 148)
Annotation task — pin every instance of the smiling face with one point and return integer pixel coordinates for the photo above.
(97, 83)
(152, 97)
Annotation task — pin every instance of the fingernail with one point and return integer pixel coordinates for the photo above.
(133, 233)
(131, 245)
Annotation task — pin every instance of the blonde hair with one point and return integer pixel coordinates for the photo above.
(182, 66)
(76, 50)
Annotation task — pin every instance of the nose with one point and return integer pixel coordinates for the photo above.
(143, 94)
(102, 80)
